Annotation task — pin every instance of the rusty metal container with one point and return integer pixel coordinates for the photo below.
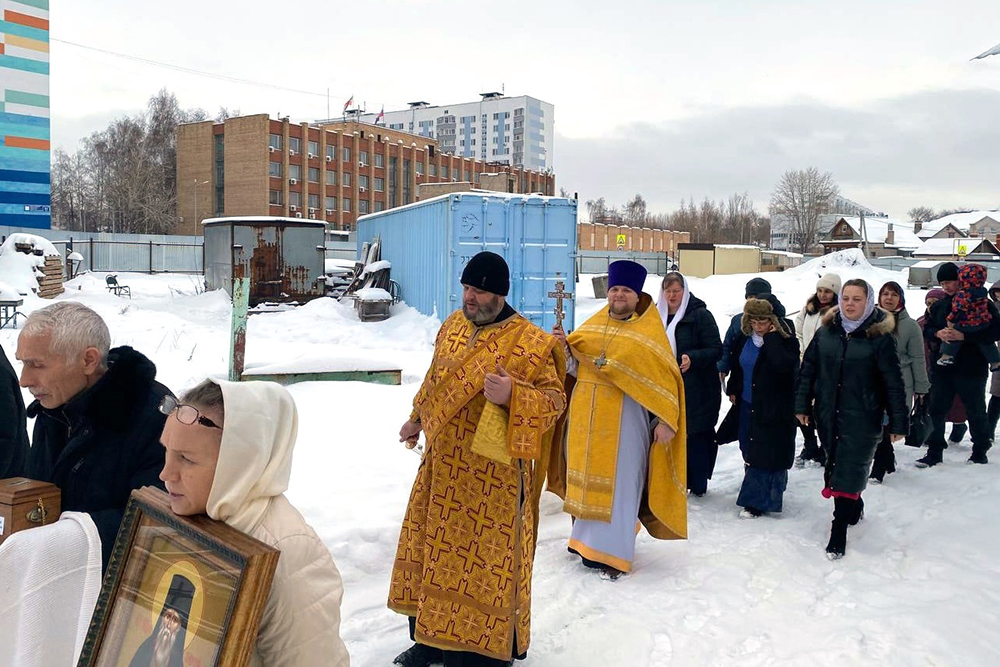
(283, 257)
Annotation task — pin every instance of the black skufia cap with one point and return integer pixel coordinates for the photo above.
(487, 271)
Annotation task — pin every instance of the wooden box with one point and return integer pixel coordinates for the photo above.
(26, 503)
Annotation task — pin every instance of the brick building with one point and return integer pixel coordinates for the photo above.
(592, 236)
(255, 165)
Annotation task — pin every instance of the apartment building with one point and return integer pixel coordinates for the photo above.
(334, 171)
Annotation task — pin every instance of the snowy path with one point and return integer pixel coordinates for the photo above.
(918, 584)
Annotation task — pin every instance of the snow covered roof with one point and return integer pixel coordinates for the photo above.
(948, 247)
(961, 221)
(877, 230)
(261, 220)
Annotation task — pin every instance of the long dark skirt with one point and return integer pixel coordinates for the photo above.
(701, 454)
(762, 489)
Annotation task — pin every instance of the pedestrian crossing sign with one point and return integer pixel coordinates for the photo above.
(621, 239)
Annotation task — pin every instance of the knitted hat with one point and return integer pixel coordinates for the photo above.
(625, 273)
(756, 287)
(830, 281)
(972, 276)
(947, 271)
(487, 271)
(935, 293)
(758, 309)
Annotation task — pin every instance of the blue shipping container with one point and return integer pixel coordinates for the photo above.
(430, 242)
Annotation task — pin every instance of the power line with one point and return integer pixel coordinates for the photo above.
(188, 70)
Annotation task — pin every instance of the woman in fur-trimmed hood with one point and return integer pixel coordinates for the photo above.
(761, 388)
(850, 377)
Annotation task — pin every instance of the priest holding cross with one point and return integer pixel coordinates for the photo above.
(625, 447)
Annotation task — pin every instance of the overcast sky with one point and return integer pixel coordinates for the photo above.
(669, 98)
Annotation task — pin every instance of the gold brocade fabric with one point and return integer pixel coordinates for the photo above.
(639, 363)
(464, 560)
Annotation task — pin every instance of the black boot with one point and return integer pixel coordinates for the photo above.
(958, 432)
(837, 545)
(884, 461)
(930, 459)
(418, 655)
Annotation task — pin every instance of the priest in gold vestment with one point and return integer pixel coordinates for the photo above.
(489, 407)
(625, 446)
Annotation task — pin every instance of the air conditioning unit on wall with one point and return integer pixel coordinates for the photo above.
(298, 215)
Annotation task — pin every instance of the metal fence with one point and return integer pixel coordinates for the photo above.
(596, 261)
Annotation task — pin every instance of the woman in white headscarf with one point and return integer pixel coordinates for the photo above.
(694, 338)
(849, 379)
(229, 455)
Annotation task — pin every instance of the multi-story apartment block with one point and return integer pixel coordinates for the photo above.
(25, 191)
(518, 131)
(255, 165)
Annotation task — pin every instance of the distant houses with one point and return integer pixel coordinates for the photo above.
(951, 237)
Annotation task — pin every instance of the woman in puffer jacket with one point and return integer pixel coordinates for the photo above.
(912, 363)
(849, 380)
(806, 324)
(229, 455)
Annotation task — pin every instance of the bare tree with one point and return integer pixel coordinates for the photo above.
(921, 214)
(596, 209)
(635, 211)
(801, 197)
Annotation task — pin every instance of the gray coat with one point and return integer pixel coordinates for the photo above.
(910, 347)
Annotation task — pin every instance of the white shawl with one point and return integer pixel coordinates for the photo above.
(661, 306)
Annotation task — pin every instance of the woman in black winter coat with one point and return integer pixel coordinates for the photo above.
(762, 388)
(694, 338)
(850, 376)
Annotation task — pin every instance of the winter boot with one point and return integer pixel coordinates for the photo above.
(837, 546)
(884, 461)
(978, 456)
(958, 432)
(930, 459)
(418, 655)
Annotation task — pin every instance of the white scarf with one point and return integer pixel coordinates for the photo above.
(757, 339)
(849, 324)
(664, 310)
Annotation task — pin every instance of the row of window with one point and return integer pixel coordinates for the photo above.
(276, 198)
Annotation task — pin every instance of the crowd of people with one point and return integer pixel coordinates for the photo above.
(617, 417)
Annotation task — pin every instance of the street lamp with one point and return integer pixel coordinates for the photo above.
(196, 184)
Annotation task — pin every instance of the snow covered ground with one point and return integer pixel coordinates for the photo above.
(917, 586)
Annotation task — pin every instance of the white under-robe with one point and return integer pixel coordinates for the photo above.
(614, 543)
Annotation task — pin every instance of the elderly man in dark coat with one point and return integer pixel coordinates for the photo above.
(13, 434)
(98, 423)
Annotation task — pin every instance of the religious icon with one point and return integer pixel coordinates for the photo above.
(179, 591)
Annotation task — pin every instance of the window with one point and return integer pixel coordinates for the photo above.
(295, 199)
(466, 175)
(363, 157)
(331, 203)
(346, 201)
(313, 175)
(274, 196)
(362, 206)
(294, 145)
(314, 147)
(331, 151)
(274, 141)
(346, 180)
(295, 171)
(420, 167)
(274, 169)
(345, 154)
(363, 181)
(379, 160)
(379, 184)
(434, 169)
(313, 201)
(379, 206)
(331, 177)
(445, 172)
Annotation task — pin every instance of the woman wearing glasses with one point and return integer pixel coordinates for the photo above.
(229, 455)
